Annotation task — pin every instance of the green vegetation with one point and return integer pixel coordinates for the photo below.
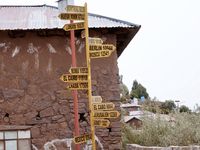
(138, 91)
(180, 129)
(184, 130)
(184, 108)
(124, 93)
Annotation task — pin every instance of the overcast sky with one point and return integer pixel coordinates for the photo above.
(164, 55)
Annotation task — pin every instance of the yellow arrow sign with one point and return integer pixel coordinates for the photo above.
(96, 99)
(98, 47)
(106, 114)
(77, 9)
(78, 86)
(110, 47)
(78, 70)
(74, 26)
(100, 54)
(82, 138)
(95, 41)
(103, 106)
(102, 122)
(71, 16)
(74, 77)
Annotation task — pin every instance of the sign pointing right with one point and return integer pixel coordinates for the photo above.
(103, 106)
(106, 114)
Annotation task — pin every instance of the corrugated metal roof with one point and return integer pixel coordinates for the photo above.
(46, 17)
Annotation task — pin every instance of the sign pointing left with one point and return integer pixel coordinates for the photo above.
(71, 16)
(78, 86)
(100, 54)
(74, 26)
(74, 77)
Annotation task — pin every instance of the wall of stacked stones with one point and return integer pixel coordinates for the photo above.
(138, 147)
(32, 94)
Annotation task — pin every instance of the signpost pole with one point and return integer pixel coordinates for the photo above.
(74, 92)
(89, 79)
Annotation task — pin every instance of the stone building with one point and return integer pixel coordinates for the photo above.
(36, 110)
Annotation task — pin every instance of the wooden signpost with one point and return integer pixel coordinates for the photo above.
(80, 77)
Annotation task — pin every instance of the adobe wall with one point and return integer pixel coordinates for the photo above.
(31, 92)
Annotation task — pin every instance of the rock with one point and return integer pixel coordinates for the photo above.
(34, 121)
(102, 132)
(47, 112)
(33, 90)
(28, 99)
(42, 102)
(12, 93)
(116, 146)
(57, 117)
(35, 132)
(23, 84)
(17, 119)
(30, 114)
(63, 125)
(64, 94)
(116, 124)
(56, 107)
(115, 134)
(116, 129)
(64, 110)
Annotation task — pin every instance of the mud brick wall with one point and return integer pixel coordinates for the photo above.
(32, 94)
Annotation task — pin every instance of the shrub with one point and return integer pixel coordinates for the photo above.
(185, 130)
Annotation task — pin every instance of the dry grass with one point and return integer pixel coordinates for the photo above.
(185, 130)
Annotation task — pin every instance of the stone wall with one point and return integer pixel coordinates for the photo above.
(138, 147)
(31, 92)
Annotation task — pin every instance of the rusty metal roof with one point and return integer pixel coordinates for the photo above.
(46, 17)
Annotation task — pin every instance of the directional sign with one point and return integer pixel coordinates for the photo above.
(78, 86)
(110, 47)
(103, 106)
(72, 8)
(102, 122)
(106, 114)
(74, 26)
(74, 77)
(82, 138)
(78, 70)
(71, 16)
(100, 54)
(96, 99)
(97, 41)
(98, 47)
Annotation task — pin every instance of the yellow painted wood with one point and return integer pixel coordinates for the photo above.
(89, 79)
